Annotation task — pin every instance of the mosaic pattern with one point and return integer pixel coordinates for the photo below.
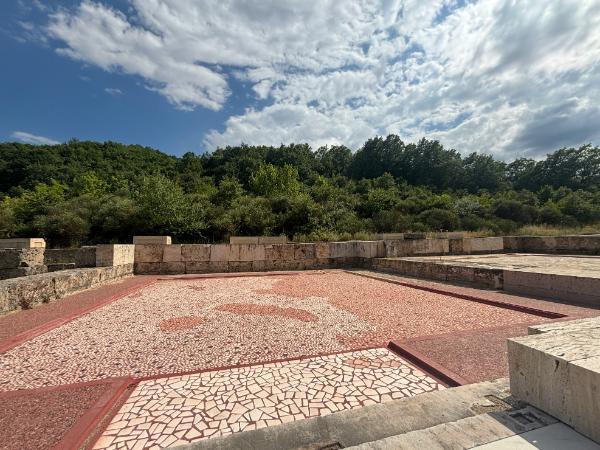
(183, 409)
(190, 325)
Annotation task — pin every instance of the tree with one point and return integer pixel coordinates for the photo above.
(270, 180)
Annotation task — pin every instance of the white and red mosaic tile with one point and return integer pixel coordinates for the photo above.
(189, 325)
(182, 409)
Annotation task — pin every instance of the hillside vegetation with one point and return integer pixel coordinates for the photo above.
(88, 192)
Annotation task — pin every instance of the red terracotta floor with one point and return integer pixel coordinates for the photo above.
(210, 323)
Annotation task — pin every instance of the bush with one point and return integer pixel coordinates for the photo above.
(440, 219)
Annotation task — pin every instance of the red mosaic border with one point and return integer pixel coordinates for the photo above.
(220, 275)
(512, 306)
(429, 366)
(21, 338)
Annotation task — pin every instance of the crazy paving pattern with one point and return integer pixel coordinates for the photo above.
(178, 410)
(190, 325)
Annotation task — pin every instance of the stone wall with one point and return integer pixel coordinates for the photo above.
(557, 369)
(209, 258)
(454, 245)
(110, 255)
(27, 292)
(574, 245)
(73, 258)
(19, 262)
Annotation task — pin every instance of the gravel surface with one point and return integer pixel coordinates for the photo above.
(39, 420)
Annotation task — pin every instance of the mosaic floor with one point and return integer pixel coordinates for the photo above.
(182, 409)
(181, 326)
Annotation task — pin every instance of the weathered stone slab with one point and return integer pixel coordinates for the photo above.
(279, 252)
(195, 252)
(483, 245)
(173, 267)
(559, 372)
(219, 252)
(304, 251)
(148, 268)
(390, 236)
(23, 243)
(172, 253)
(152, 240)
(269, 240)
(243, 240)
(111, 255)
(247, 252)
(80, 257)
(321, 250)
(149, 253)
(13, 258)
(340, 249)
(574, 245)
(240, 266)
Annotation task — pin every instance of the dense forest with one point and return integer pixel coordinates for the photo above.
(89, 192)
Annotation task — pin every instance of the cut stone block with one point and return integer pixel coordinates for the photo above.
(304, 251)
(172, 253)
(195, 252)
(321, 250)
(483, 245)
(279, 252)
(247, 252)
(269, 240)
(150, 253)
(243, 240)
(111, 255)
(219, 252)
(152, 240)
(340, 249)
(23, 243)
(12, 258)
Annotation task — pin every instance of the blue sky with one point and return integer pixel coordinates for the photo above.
(512, 78)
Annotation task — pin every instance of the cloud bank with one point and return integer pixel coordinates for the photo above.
(501, 76)
(29, 138)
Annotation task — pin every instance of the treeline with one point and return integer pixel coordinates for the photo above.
(88, 192)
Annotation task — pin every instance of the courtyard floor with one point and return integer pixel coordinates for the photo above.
(178, 359)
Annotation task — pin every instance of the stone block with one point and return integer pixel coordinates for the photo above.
(259, 265)
(304, 251)
(340, 249)
(321, 250)
(249, 252)
(269, 240)
(483, 245)
(279, 252)
(23, 243)
(6, 274)
(148, 268)
(243, 240)
(172, 253)
(456, 246)
(110, 255)
(13, 258)
(219, 253)
(569, 288)
(240, 266)
(80, 257)
(173, 267)
(152, 240)
(559, 372)
(196, 252)
(390, 236)
(149, 253)
(415, 236)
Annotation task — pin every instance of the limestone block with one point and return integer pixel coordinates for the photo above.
(368, 249)
(79, 257)
(390, 236)
(172, 253)
(13, 258)
(568, 288)
(483, 245)
(23, 243)
(449, 235)
(109, 255)
(258, 265)
(150, 253)
(340, 249)
(279, 252)
(413, 236)
(248, 252)
(173, 267)
(148, 268)
(321, 250)
(196, 252)
(152, 240)
(243, 240)
(6, 274)
(269, 240)
(219, 253)
(456, 246)
(206, 267)
(304, 251)
(240, 266)
(559, 372)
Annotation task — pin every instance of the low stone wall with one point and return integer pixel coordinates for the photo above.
(27, 292)
(557, 369)
(447, 246)
(570, 245)
(483, 277)
(210, 258)
(19, 262)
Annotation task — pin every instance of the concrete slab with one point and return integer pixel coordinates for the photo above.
(557, 436)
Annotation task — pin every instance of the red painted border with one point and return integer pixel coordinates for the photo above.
(472, 298)
(430, 367)
(44, 328)
(85, 426)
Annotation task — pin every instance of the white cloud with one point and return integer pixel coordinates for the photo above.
(115, 92)
(29, 138)
(481, 75)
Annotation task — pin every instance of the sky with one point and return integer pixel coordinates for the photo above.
(511, 78)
